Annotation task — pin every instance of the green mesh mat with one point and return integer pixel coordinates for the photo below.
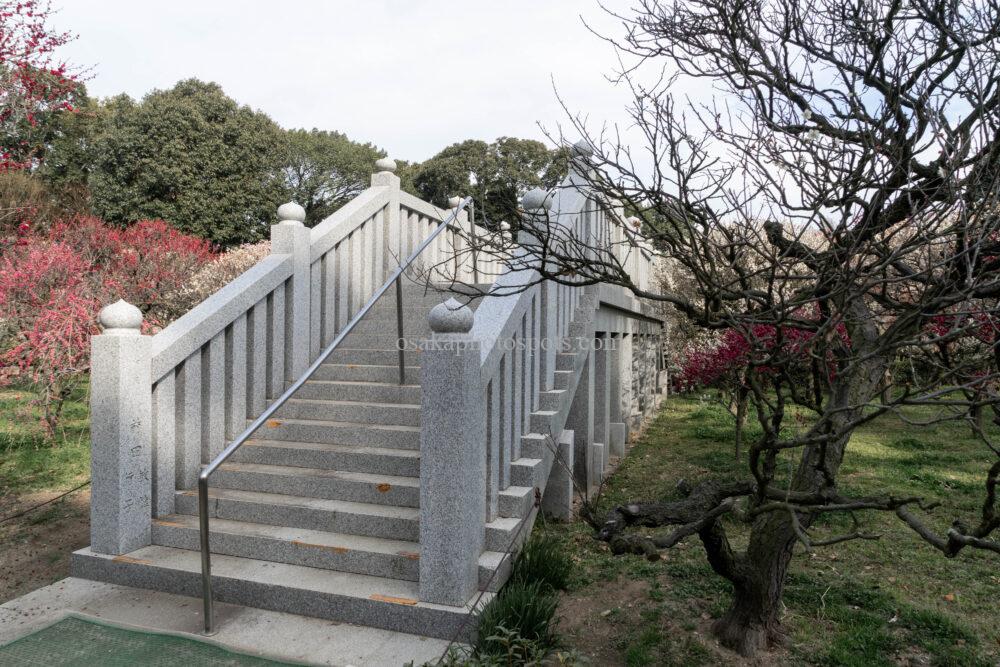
(79, 642)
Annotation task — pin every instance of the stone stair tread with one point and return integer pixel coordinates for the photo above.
(361, 382)
(334, 447)
(343, 424)
(393, 366)
(350, 506)
(302, 537)
(328, 401)
(373, 349)
(341, 596)
(292, 576)
(292, 471)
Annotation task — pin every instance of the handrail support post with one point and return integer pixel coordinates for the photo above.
(400, 342)
(206, 554)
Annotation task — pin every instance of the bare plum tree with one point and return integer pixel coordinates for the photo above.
(840, 198)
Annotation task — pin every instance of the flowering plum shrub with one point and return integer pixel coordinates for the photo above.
(53, 283)
(212, 277)
(963, 348)
(737, 358)
(726, 361)
(34, 84)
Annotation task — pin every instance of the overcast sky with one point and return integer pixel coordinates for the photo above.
(412, 76)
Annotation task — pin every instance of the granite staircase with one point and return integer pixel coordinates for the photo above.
(319, 512)
(363, 499)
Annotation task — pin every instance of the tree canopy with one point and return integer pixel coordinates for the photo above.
(494, 174)
(326, 169)
(192, 156)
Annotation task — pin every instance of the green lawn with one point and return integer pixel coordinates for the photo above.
(888, 602)
(31, 461)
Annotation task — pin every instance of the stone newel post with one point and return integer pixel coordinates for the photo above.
(121, 408)
(291, 237)
(385, 176)
(536, 205)
(452, 459)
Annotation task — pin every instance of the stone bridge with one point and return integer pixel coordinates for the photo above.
(387, 488)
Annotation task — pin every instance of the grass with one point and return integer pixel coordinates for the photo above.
(30, 460)
(882, 602)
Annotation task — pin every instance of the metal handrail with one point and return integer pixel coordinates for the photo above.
(206, 560)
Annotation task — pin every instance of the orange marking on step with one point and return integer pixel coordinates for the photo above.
(410, 555)
(383, 487)
(273, 423)
(307, 545)
(163, 522)
(130, 559)
(389, 598)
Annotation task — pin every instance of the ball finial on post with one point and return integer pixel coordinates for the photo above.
(385, 164)
(536, 200)
(451, 317)
(582, 149)
(120, 318)
(454, 202)
(291, 214)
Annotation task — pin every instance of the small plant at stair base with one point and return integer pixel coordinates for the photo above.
(513, 651)
(544, 561)
(524, 610)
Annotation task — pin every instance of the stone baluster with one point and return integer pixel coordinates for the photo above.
(121, 436)
(291, 237)
(452, 459)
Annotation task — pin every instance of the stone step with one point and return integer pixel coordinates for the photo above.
(412, 310)
(339, 516)
(326, 456)
(381, 340)
(563, 379)
(515, 502)
(374, 556)
(413, 327)
(318, 483)
(552, 400)
(362, 373)
(401, 523)
(341, 432)
(527, 472)
(566, 361)
(367, 392)
(374, 357)
(395, 414)
(500, 532)
(392, 604)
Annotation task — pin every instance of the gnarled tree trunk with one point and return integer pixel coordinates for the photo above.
(752, 621)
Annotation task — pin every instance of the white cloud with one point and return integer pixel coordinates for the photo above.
(409, 75)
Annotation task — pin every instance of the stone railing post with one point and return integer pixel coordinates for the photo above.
(121, 435)
(452, 459)
(385, 176)
(536, 205)
(291, 237)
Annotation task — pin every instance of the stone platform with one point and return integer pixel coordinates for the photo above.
(270, 634)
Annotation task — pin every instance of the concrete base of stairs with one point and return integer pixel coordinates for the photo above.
(388, 604)
(271, 634)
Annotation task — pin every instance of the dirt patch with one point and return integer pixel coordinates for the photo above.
(35, 548)
(606, 624)
(586, 621)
